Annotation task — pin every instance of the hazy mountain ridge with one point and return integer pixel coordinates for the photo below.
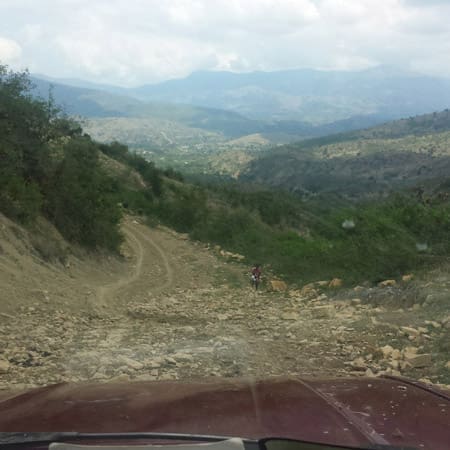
(176, 134)
(307, 95)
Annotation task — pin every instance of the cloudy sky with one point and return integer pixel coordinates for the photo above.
(131, 42)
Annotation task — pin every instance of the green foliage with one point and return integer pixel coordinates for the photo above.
(18, 199)
(24, 133)
(40, 174)
(81, 201)
(381, 245)
(182, 208)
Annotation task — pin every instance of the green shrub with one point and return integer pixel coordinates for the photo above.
(20, 200)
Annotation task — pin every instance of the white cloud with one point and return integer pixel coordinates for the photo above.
(139, 41)
(10, 51)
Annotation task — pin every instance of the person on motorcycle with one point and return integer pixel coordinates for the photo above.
(256, 275)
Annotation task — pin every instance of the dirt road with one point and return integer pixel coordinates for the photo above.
(172, 310)
(150, 270)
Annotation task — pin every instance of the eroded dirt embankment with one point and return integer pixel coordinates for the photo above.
(171, 309)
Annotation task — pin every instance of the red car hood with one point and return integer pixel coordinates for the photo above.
(348, 412)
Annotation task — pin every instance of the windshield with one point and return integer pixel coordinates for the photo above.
(226, 218)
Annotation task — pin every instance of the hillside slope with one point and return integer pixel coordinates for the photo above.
(396, 155)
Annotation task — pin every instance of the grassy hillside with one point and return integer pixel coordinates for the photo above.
(396, 155)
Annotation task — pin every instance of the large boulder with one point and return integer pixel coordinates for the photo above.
(335, 283)
(277, 285)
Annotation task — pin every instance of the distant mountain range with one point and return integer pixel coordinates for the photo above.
(306, 95)
(102, 102)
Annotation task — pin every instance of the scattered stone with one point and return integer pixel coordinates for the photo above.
(335, 283)
(168, 376)
(98, 376)
(433, 323)
(395, 364)
(369, 373)
(133, 364)
(407, 351)
(4, 366)
(410, 331)
(356, 301)
(387, 283)
(295, 293)
(153, 363)
(447, 366)
(418, 361)
(359, 364)
(183, 357)
(387, 351)
(170, 360)
(123, 377)
(223, 316)
(145, 377)
(309, 291)
(323, 312)
(407, 278)
(231, 255)
(290, 316)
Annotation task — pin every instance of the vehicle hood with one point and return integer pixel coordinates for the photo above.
(349, 412)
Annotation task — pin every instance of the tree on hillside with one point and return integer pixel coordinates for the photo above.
(48, 166)
(81, 202)
(23, 150)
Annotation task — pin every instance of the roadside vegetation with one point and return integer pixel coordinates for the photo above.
(51, 168)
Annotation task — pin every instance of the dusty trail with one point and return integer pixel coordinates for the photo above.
(108, 291)
(164, 259)
(150, 269)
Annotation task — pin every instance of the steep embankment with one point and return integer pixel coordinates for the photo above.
(173, 309)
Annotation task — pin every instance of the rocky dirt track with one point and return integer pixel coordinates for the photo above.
(174, 309)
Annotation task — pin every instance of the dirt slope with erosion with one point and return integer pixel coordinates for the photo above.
(170, 308)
